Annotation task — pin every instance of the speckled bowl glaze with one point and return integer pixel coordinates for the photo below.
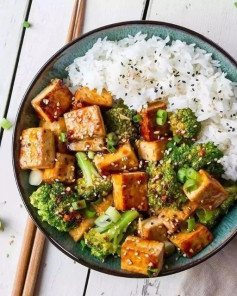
(55, 67)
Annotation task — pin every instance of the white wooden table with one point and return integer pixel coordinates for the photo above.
(22, 53)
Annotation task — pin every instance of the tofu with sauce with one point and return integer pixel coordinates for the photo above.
(84, 123)
(191, 243)
(150, 130)
(52, 101)
(63, 170)
(94, 144)
(152, 229)
(151, 151)
(78, 232)
(130, 191)
(140, 255)
(210, 193)
(124, 159)
(85, 96)
(37, 149)
(57, 127)
(172, 218)
(104, 205)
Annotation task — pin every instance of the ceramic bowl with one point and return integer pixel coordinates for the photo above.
(55, 67)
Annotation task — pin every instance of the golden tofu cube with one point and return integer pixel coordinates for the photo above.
(37, 149)
(91, 97)
(124, 159)
(63, 170)
(52, 101)
(78, 232)
(150, 130)
(152, 229)
(191, 243)
(151, 151)
(172, 218)
(104, 205)
(85, 123)
(210, 193)
(130, 191)
(139, 255)
(57, 127)
(94, 144)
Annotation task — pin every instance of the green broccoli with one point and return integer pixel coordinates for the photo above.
(184, 123)
(54, 204)
(201, 156)
(92, 186)
(210, 218)
(107, 242)
(163, 186)
(119, 120)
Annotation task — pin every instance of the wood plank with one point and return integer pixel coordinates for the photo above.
(12, 14)
(215, 19)
(50, 20)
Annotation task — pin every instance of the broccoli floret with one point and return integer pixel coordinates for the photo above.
(163, 187)
(92, 186)
(184, 123)
(231, 199)
(54, 204)
(119, 120)
(201, 156)
(103, 244)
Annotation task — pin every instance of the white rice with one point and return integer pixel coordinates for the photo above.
(140, 70)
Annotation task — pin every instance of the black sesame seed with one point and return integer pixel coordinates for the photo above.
(155, 61)
(183, 81)
(151, 82)
(126, 94)
(141, 58)
(219, 91)
(162, 93)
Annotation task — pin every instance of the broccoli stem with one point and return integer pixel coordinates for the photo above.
(88, 170)
(122, 224)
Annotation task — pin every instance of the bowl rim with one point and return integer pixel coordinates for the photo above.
(14, 161)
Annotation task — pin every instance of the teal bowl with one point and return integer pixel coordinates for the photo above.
(55, 67)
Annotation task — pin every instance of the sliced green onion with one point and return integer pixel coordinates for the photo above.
(1, 226)
(78, 205)
(151, 272)
(204, 215)
(5, 124)
(170, 145)
(103, 221)
(177, 138)
(35, 177)
(26, 24)
(63, 137)
(137, 118)
(192, 174)
(113, 214)
(91, 154)
(235, 4)
(110, 143)
(112, 137)
(161, 117)
(190, 185)
(89, 213)
(191, 224)
(169, 248)
(182, 177)
(83, 244)
(111, 149)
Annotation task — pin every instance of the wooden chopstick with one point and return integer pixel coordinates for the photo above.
(33, 240)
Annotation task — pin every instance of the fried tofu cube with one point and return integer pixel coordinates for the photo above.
(140, 255)
(91, 97)
(104, 205)
(95, 144)
(191, 243)
(63, 170)
(57, 127)
(210, 193)
(52, 101)
(130, 191)
(150, 130)
(124, 159)
(85, 123)
(152, 229)
(78, 232)
(37, 149)
(172, 218)
(151, 151)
